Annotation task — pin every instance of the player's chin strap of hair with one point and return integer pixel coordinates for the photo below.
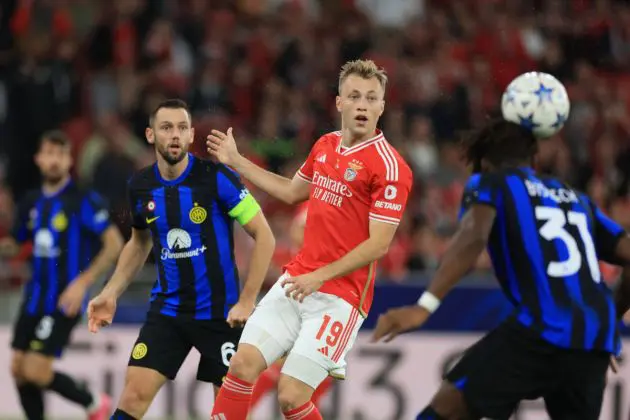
(429, 302)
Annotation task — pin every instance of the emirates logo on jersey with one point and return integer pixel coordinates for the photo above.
(330, 190)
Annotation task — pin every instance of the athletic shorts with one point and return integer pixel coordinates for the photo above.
(316, 333)
(45, 334)
(512, 364)
(165, 341)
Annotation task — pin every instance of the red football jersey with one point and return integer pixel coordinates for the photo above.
(350, 187)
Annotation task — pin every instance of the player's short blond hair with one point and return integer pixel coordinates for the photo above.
(366, 69)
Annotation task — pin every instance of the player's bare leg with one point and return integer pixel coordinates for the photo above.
(37, 371)
(447, 404)
(294, 397)
(17, 362)
(31, 396)
(235, 395)
(141, 387)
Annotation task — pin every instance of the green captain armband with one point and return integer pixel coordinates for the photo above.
(245, 211)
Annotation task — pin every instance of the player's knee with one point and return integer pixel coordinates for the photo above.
(135, 399)
(16, 367)
(37, 369)
(449, 403)
(292, 393)
(141, 386)
(247, 363)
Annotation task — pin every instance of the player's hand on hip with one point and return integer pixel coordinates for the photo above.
(301, 286)
(397, 321)
(71, 300)
(614, 364)
(101, 312)
(240, 313)
(222, 146)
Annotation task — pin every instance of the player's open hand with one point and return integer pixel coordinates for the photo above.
(301, 286)
(71, 300)
(397, 321)
(222, 147)
(239, 314)
(101, 312)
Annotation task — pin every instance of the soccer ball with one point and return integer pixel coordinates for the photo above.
(537, 101)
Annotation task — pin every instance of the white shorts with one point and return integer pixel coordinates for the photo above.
(316, 333)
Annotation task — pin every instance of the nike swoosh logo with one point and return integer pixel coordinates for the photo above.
(152, 219)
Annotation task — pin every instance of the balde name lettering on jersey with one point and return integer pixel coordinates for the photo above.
(558, 195)
(329, 190)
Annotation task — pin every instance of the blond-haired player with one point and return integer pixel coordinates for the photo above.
(357, 186)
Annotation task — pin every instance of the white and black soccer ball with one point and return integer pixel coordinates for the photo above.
(537, 101)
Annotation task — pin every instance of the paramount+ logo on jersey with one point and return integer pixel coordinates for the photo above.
(329, 190)
(179, 243)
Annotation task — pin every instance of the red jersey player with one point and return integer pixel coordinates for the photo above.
(268, 379)
(357, 186)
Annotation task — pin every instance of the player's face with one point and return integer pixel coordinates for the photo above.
(54, 161)
(171, 133)
(361, 103)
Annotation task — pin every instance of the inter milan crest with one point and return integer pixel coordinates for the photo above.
(350, 175)
(151, 205)
(59, 222)
(197, 214)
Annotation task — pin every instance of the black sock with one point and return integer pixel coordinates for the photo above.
(32, 399)
(429, 414)
(65, 386)
(121, 415)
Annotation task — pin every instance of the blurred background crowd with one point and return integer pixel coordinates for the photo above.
(96, 68)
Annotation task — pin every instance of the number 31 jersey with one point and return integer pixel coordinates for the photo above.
(545, 245)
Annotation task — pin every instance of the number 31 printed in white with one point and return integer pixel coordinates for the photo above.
(554, 228)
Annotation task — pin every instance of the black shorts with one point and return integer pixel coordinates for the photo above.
(512, 364)
(45, 334)
(164, 343)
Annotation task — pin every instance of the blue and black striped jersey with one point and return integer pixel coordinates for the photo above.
(65, 229)
(191, 222)
(545, 248)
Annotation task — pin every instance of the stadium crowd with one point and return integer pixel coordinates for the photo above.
(268, 68)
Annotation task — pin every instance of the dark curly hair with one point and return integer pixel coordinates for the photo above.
(501, 143)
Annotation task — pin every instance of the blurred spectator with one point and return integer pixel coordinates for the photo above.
(269, 69)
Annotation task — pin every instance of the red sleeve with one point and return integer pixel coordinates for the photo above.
(306, 170)
(390, 191)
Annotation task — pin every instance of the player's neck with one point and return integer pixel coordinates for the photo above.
(52, 188)
(348, 140)
(170, 172)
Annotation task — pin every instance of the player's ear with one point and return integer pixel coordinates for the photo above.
(150, 135)
(192, 134)
(382, 108)
(338, 103)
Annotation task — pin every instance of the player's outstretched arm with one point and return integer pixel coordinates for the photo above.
(131, 260)
(264, 243)
(72, 298)
(468, 243)
(222, 147)
(133, 256)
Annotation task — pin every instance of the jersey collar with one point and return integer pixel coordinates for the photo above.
(60, 191)
(367, 143)
(171, 182)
